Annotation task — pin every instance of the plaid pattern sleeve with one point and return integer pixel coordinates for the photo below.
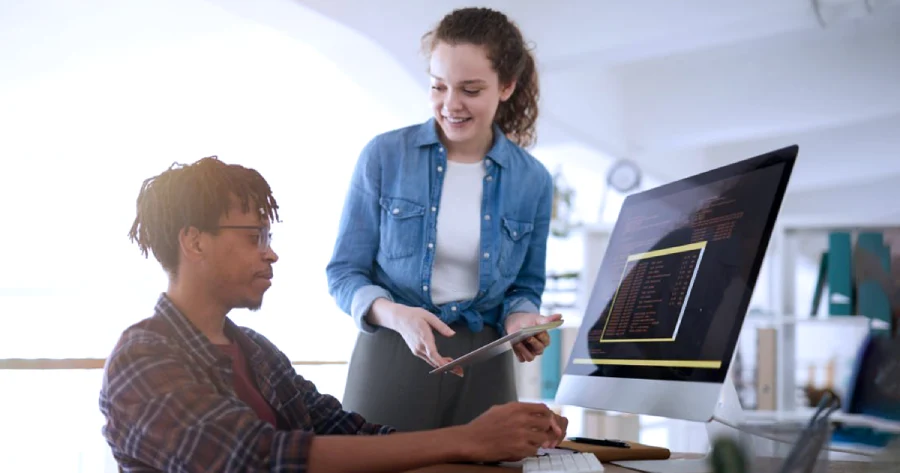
(307, 406)
(328, 416)
(164, 415)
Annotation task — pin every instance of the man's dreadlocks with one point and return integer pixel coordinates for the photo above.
(195, 195)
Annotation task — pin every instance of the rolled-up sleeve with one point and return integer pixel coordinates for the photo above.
(525, 293)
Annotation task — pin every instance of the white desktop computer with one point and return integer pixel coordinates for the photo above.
(659, 332)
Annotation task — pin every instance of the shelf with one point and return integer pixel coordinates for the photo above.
(805, 413)
(853, 320)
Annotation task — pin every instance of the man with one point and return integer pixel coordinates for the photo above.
(188, 390)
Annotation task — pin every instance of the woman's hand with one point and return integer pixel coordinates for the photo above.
(531, 347)
(416, 326)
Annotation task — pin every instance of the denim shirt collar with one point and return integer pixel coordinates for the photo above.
(427, 135)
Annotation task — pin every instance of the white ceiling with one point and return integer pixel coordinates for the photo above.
(679, 87)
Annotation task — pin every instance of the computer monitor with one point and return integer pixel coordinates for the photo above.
(660, 328)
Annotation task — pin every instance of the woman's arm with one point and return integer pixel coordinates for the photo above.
(524, 294)
(357, 242)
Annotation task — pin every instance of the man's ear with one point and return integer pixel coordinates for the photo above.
(507, 91)
(191, 244)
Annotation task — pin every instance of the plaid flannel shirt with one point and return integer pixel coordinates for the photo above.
(170, 404)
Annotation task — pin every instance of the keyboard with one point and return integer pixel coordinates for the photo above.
(562, 463)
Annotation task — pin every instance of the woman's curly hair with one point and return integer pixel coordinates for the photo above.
(510, 58)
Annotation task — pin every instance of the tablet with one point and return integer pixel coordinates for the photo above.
(496, 347)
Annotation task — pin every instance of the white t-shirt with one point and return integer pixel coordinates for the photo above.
(458, 247)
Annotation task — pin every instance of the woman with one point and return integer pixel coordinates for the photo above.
(445, 229)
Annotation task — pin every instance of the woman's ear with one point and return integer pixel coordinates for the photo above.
(507, 91)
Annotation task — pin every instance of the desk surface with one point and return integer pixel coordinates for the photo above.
(833, 467)
(607, 468)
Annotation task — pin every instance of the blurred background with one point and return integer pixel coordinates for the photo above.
(97, 95)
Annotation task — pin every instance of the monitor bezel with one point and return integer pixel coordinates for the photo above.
(700, 386)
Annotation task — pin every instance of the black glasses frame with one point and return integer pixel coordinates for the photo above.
(265, 234)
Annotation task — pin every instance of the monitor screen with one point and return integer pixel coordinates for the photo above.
(679, 270)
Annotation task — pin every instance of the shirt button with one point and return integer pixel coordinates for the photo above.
(425, 288)
(440, 168)
(434, 209)
(515, 233)
(431, 245)
(441, 149)
(487, 217)
(489, 178)
(395, 211)
(487, 255)
(453, 308)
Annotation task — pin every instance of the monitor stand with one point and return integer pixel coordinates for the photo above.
(728, 409)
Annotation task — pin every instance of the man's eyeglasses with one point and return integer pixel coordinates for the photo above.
(264, 238)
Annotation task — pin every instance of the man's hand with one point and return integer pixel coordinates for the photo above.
(512, 431)
(417, 327)
(532, 347)
(557, 432)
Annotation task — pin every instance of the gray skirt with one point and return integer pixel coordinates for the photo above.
(389, 385)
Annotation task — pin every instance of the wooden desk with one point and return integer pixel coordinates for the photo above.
(607, 468)
(833, 467)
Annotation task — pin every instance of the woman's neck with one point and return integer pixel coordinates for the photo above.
(471, 151)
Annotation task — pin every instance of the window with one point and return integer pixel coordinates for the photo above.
(80, 136)
(90, 108)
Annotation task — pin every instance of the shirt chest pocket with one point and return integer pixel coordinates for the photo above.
(515, 237)
(402, 224)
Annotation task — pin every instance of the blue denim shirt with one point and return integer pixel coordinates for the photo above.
(390, 217)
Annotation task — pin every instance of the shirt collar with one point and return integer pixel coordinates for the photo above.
(427, 135)
(192, 339)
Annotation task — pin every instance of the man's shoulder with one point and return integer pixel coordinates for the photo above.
(143, 354)
(150, 331)
(147, 337)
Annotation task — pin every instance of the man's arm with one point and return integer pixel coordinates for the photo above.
(328, 415)
(386, 453)
(507, 432)
(160, 414)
